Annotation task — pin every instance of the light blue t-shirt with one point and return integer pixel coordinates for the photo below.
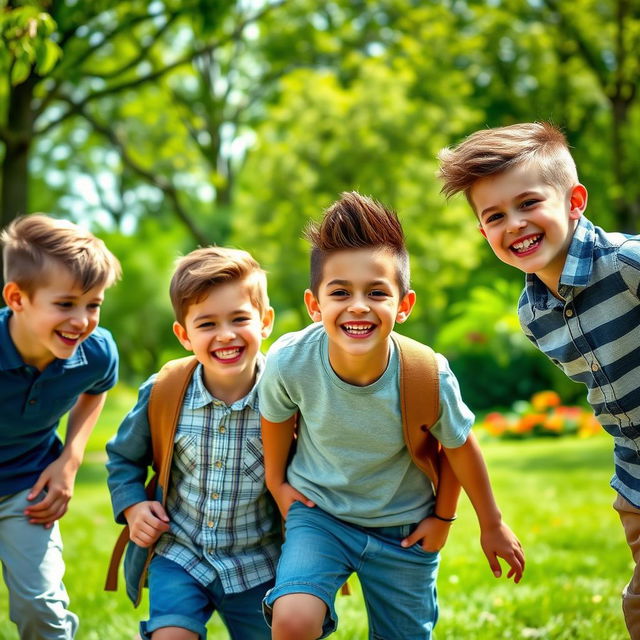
(351, 458)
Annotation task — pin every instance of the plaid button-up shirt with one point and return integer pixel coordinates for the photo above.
(223, 522)
(593, 335)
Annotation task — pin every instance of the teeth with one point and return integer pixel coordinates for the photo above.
(227, 354)
(70, 336)
(526, 243)
(358, 329)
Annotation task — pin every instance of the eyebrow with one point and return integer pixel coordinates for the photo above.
(494, 207)
(345, 283)
(214, 316)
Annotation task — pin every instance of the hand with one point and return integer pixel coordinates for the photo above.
(432, 532)
(285, 495)
(58, 479)
(147, 521)
(501, 542)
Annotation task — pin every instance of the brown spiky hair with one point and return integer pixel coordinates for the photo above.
(33, 243)
(357, 222)
(491, 151)
(203, 269)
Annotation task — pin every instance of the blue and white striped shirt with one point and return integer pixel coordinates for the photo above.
(593, 335)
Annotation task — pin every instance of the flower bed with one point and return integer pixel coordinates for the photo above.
(543, 415)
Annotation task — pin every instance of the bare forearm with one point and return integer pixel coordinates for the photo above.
(468, 465)
(277, 438)
(448, 491)
(82, 418)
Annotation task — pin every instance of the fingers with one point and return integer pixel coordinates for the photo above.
(148, 523)
(158, 511)
(493, 564)
(302, 498)
(411, 539)
(51, 508)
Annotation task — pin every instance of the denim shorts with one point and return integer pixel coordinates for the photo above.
(399, 585)
(176, 599)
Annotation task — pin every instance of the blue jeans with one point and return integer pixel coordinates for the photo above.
(176, 599)
(32, 567)
(399, 585)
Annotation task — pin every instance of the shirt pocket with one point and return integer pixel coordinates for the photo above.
(253, 459)
(185, 454)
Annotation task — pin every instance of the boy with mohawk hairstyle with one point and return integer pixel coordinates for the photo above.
(580, 302)
(212, 531)
(352, 498)
(54, 359)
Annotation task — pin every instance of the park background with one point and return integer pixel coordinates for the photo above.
(165, 125)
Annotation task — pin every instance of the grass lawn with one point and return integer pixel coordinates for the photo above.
(553, 493)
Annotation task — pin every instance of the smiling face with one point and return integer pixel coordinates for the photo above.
(358, 303)
(225, 330)
(529, 224)
(52, 321)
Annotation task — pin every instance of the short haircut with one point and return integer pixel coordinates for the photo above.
(490, 151)
(32, 243)
(356, 222)
(203, 269)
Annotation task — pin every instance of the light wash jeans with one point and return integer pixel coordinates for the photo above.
(399, 585)
(32, 567)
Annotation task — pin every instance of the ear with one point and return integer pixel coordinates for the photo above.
(267, 322)
(181, 333)
(313, 307)
(406, 305)
(14, 296)
(577, 201)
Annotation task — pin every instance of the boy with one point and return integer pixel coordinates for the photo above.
(53, 359)
(218, 540)
(580, 301)
(352, 498)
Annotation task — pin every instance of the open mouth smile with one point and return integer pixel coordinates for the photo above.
(69, 339)
(228, 354)
(527, 245)
(358, 329)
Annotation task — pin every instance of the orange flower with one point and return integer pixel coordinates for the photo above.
(528, 422)
(554, 422)
(589, 425)
(544, 400)
(495, 423)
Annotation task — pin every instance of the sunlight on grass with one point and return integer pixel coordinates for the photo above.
(553, 493)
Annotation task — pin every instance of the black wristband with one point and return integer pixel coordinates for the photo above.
(437, 517)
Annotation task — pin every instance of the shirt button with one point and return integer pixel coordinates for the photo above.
(218, 464)
(569, 313)
(32, 401)
(222, 429)
(210, 524)
(594, 367)
(217, 403)
(215, 496)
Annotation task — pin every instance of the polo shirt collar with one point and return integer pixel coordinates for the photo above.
(577, 270)
(199, 395)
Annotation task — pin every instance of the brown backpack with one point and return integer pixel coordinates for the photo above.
(419, 402)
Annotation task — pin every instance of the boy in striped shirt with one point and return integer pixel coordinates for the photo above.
(580, 305)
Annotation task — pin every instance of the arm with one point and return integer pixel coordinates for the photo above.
(496, 539)
(59, 477)
(432, 531)
(277, 438)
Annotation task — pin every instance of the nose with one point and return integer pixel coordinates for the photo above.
(79, 321)
(359, 305)
(226, 334)
(515, 222)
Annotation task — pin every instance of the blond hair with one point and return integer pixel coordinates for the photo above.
(33, 242)
(491, 151)
(354, 222)
(205, 268)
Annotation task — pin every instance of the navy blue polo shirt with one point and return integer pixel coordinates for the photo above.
(32, 402)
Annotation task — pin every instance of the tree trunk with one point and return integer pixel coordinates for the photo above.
(14, 197)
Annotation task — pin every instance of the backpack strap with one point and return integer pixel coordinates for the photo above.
(163, 411)
(420, 403)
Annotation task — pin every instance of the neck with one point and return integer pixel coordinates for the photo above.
(232, 389)
(359, 370)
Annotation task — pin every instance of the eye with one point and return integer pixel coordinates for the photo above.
(242, 319)
(527, 204)
(205, 325)
(339, 293)
(64, 305)
(378, 293)
(493, 217)
(94, 306)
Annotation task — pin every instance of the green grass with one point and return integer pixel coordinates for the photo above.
(553, 493)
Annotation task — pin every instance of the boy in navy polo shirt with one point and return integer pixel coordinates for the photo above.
(53, 359)
(580, 302)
